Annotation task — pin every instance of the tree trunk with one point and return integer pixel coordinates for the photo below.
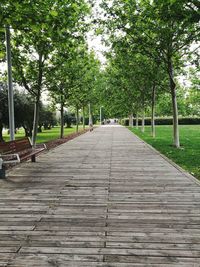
(62, 121)
(77, 119)
(39, 128)
(143, 121)
(143, 112)
(83, 118)
(26, 131)
(1, 133)
(47, 126)
(131, 120)
(90, 116)
(35, 120)
(153, 101)
(136, 124)
(174, 105)
(37, 102)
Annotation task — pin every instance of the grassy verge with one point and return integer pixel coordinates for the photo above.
(188, 156)
(46, 135)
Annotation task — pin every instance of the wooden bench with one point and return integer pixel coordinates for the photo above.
(17, 151)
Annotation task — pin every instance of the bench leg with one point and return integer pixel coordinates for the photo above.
(33, 158)
(3, 173)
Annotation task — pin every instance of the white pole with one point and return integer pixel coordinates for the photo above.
(10, 86)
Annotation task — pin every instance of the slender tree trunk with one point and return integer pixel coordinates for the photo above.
(77, 119)
(62, 120)
(35, 120)
(131, 120)
(1, 132)
(143, 110)
(174, 105)
(136, 124)
(153, 101)
(143, 121)
(83, 118)
(39, 128)
(90, 117)
(26, 131)
(37, 102)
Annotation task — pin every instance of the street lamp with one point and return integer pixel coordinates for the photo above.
(10, 86)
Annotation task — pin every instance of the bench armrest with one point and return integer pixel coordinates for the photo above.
(44, 146)
(9, 158)
(37, 145)
(41, 146)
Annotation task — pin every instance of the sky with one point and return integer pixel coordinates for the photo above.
(94, 42)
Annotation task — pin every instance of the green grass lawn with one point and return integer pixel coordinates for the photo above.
(46, 135)
(188, 156)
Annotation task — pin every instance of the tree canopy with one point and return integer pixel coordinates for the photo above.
(150, 42)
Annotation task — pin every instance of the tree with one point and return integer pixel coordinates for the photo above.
(85, 69)
(193, 98)
(47, 118)
(68, 119)
(162, 30)
(39, 28)
(24, 109)
(3, 109)
(59, 82)
(135, 78)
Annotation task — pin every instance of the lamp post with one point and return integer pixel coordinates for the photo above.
(10, 85)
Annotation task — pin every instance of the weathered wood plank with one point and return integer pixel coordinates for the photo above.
(105, 199)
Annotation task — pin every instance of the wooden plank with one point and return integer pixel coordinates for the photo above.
(113, 251)
(104, 199)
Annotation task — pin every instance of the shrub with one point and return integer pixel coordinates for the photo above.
(164, 121)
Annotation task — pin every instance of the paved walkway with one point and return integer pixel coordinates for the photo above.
(104, 199)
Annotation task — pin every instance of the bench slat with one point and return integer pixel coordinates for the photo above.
(29, 154)
(22, 147)
(15, 146)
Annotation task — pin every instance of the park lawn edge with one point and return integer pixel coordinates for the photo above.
(170, 160)
(47, 135)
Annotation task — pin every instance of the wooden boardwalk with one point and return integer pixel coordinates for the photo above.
(104, 199)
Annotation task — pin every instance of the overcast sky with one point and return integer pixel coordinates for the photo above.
(95, 43)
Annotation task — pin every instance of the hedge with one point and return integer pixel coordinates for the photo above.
(164, 121)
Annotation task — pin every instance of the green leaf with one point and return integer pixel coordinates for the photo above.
(2, 30)
(54, 13)
(35, 28)
(2, 55)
